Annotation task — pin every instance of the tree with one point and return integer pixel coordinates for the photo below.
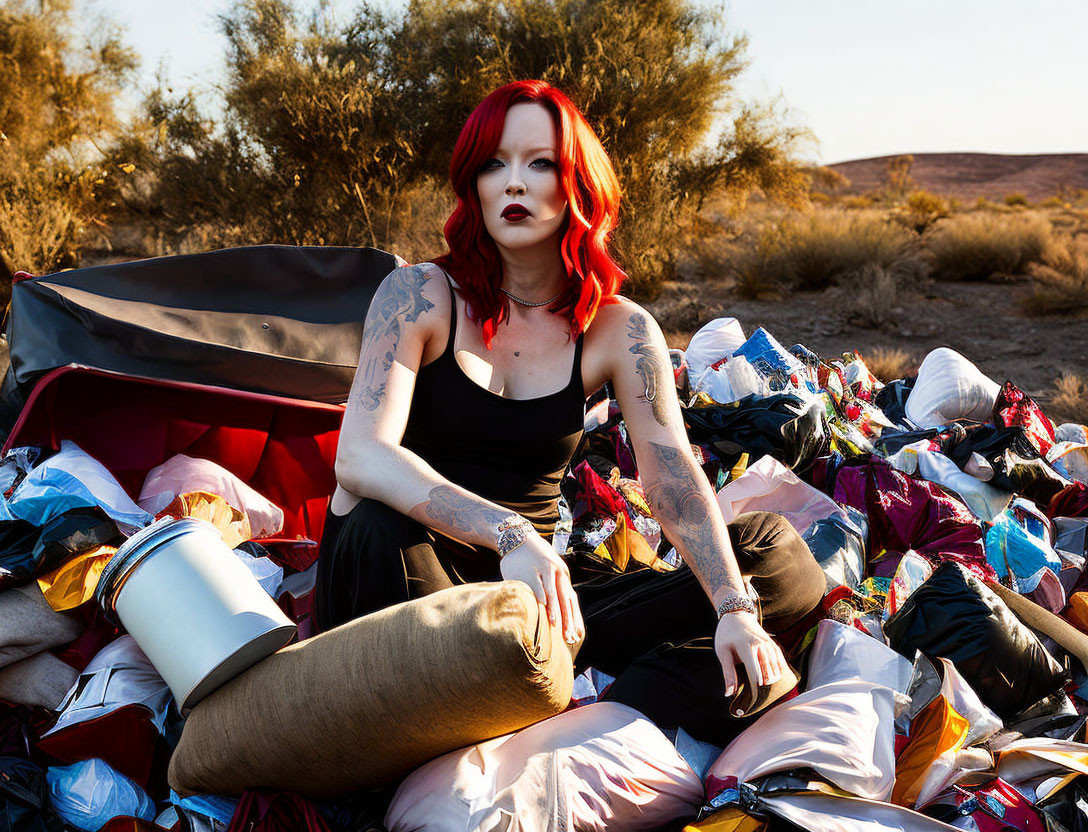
(343, 135)
(56, 116)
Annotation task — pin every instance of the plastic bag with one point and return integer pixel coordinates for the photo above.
(27, 552)
(1016, 464)
(950, 387)
(842, 652)
(89, 793)
(784, 426)
(954, 616)
(912, 571)
(840, 551)
(1070, 459)
(72, 479)
(985, 501)
(713, 342)
(771, 486)
(731, 381)
(1015, 408)
(1015, 552)
(772, 361)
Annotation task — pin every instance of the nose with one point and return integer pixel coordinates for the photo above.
(514, 185)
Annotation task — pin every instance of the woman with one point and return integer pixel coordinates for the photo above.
(468, 404)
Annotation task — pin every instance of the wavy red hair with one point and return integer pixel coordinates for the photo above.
(592, 190)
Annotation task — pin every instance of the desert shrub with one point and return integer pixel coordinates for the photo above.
(890, 363)
(859, 201)
(873, 295)
(56, 111)
(815, 250)
(1016, 199)
(1054, 201)
(922, 209)
(986, 246)
(1061, 278)
(1069, 400)
(897, 179)
(338, 131)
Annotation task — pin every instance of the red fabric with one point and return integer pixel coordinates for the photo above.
(596, 497)
(908, 513)
(284, 448)
(125, 738)
(1014, 408)
(1071, 501)
(265, 811)
(994, 807)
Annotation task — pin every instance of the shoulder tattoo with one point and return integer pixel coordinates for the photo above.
(399, 299)
(647, 365)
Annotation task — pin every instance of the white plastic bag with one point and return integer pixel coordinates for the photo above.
(601, 767)
(842, 652)
(771, 486)
(950, 387)
(715, 341)
(731, 381)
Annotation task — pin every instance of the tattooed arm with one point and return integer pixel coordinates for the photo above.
(410, 308)
(678, 491)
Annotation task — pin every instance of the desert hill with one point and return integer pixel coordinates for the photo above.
(968, 176)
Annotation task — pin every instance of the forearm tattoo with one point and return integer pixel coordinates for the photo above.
(679, 500)
(459, 512)
(647, 365)
(399, 299)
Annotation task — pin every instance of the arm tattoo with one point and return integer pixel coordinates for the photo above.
(647, 365)
(459, 512)
(679, 499)
(399, 298)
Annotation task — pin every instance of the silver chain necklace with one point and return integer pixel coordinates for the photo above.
(518, 300)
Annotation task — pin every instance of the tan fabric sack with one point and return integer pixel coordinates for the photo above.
(365, 703)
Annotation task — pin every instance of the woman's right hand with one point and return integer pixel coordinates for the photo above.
(536, 564)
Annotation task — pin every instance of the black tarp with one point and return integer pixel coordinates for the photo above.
(284, 320)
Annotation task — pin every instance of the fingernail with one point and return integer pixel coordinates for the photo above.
(738, 712)
(730, 690)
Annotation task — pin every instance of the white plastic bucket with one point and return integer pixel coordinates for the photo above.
(192, 606)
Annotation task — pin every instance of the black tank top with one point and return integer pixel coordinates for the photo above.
(510, 451)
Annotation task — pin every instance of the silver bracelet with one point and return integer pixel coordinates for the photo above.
(736, 603)
(513, 531)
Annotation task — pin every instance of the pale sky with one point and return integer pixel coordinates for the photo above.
(868, 77)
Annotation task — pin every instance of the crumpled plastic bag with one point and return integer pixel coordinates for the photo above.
(24, 806)
(716, 340)
(1013, 551)
(783, 425)
(1015, 463)
(731, 381)
(89, 793)
(992, 807)
(1070, 459)
(74, 583)
(768, 485)
(950, 387)
(840, 551)
(907, 513)
(27, 551)
(953, 615)
(1015, 408)
(772, 361)
(841, 652)
(183, 474)
(71, 479)
(985, 501)
(231, 523)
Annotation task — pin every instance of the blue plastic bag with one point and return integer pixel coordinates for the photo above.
(1012, 548)
(90, 793)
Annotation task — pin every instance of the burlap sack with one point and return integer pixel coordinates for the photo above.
(365, 703)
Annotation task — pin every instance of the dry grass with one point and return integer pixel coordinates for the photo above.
(890, 363)
(816, 250)
(1069, 400)
(987, 245)
(1061, 285)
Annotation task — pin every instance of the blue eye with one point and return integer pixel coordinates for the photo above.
(490, 164)
(543, 163)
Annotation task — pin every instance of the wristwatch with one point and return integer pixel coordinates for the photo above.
(513, 531)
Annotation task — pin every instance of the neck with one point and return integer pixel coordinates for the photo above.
(533, 274)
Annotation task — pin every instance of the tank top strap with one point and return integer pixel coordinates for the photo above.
(448, 351)
(576, 370)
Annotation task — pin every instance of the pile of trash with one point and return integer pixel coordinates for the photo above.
(942, 684)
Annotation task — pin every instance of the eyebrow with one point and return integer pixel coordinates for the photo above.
(533, 150)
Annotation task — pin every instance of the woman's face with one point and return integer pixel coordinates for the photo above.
(520, 194)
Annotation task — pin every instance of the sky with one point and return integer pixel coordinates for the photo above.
(867, 77)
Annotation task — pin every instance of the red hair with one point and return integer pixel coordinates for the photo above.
(593, 194)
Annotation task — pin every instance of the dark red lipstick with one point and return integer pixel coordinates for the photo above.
(515, 212)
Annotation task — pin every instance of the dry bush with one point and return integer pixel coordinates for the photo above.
(1015, 199)
(814, 251)
(1061, 279)
(922, 209)
(873, 295)
(987, 246)
(859, 201)
(1069, 400)
(890, 363)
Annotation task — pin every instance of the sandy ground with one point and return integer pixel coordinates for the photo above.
(980, 320)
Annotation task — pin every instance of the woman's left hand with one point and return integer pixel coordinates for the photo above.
(739, 639)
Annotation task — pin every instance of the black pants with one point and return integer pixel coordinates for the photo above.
(653, 631)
